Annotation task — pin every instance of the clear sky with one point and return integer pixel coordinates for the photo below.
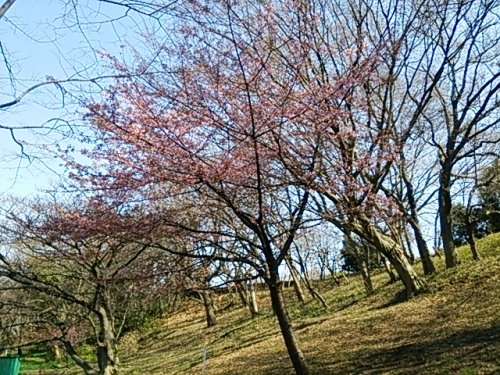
(42, 39)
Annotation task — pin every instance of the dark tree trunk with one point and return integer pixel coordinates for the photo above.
(399, 234)
(423, 250)
(310, 288)
(314, 293)
(296, 279)
(339, 277)
(445, 219)
(365, 274)
(107, 365)
(242, 293)
(471, 240)
(335, 275)
(336, 280)
(322, 269)
(84, 365)
(106, 350)
(362, 259)
(407, 243)
(279, 308)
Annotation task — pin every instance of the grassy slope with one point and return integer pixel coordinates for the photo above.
(452, 329)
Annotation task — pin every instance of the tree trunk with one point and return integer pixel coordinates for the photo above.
(394, 253)
(296, 279)
(423, 250)
(471, 240)
(407, 243)
(84, 365)
(399, 234)
(445, 219)
(365, 274)
(322, 269)
(335, 277)
(362, 260)
(209, 307)
(314, 293)
(242, 293)
(279, 308)
(106, 364)
(107, 350)
(387, 267)
(252, 305)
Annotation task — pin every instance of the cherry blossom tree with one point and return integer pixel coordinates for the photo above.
(73, 278)
(204, 124)
(357, 152)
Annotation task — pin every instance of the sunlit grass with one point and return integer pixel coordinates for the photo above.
(454, 328)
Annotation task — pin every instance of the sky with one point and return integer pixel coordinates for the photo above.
(42, 39)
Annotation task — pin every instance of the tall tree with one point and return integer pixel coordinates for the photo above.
(437, 78)
(395, 93)
(464, 118)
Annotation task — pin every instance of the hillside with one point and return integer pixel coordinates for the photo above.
(454, 328)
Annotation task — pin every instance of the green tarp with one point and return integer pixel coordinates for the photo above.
(9, 365)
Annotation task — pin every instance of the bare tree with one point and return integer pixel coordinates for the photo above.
(464, 120)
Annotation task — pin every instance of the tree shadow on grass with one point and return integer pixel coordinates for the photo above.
(399, 297)
(464, 352)
(477, 351)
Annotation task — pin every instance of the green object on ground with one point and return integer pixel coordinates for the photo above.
(10, 365)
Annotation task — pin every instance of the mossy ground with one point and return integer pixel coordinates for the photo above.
(454, 328)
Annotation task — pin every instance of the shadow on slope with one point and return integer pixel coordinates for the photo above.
(459, 353)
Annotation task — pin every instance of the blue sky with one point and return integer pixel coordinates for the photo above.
(41, 39)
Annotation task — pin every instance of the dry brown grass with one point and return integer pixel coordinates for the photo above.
(452, 329)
